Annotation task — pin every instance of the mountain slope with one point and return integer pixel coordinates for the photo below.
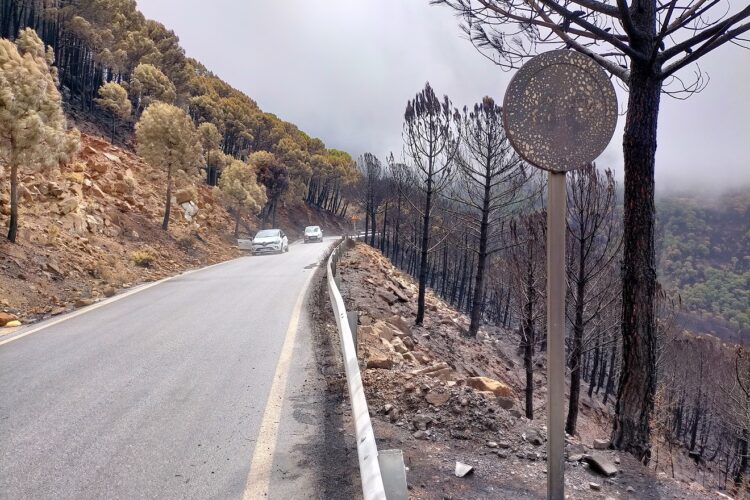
(705, 256)
(92, 227)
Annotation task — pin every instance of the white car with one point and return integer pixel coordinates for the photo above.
(313, 233)
(270, 241)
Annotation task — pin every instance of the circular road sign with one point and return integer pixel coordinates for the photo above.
(560, 110)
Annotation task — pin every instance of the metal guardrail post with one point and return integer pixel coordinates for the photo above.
(394, 474)
(353, 317)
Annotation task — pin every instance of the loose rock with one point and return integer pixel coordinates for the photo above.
(602, 444)
(6, 318)
(462, 469)
(601, 464)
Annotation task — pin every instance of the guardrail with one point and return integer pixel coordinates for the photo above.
(383, 474)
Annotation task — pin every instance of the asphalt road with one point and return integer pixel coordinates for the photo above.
(161, 394)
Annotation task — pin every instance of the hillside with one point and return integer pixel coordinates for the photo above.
(112, 63)
(89, 225)
(705, 256)
(92, 227)
(427, 397)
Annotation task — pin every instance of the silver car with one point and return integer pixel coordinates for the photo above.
(313, 233)
(270, 241)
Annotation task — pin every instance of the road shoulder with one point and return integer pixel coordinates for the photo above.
(312, 453)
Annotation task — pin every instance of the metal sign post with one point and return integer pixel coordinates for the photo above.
(556, 227)
(559, 113)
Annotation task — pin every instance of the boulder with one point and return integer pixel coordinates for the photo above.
(505, 403)
(122, 187)
(398, 346)
(602, 444)
(421, 435)
(6, 318)
(183, 196)
(410, 358)
(398, 293)
(54, 189)
(67, 205)
(379, 329)
(74, 223)
(12, 324)
(387, 344)
(105, 187)
(380, 361)
(462, 470)
(429, 369)
(534, 437)
(24, 193)
(408, 342)
(94, 223)
(437, 398)
(95, 190)
(54, 267)
(489, 384)
(400, 323)
(444, 374)
(99, 167)
(190, 209)
(422, 421)
(601, 464)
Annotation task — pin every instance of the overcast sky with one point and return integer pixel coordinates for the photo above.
(342, 70)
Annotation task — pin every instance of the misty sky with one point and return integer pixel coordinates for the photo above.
(342, 70)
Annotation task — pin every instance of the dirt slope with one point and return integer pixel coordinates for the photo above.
(90, 228)
(426, 397)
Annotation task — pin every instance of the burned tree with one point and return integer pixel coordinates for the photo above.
(526, 262)
(431, 142)
(372, 192)
(594, 242)
(644, 44)
(489, 183)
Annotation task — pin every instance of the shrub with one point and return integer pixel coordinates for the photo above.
(143, 258)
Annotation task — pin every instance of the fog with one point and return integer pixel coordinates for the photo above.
(343, 71)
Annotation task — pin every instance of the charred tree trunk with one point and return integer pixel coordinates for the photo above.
(609, 388)
(577, 347)
(478, 299)
(423, 254)
(697, 414)
(168, 207)
(742, 451)
(595, 368)
(528, 335)
(13, 223)
(635, 396)
(602, 372)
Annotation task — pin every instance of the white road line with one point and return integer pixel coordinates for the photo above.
(259, 476)
(109, 301)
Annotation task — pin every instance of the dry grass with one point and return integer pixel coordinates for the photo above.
(144, 257)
